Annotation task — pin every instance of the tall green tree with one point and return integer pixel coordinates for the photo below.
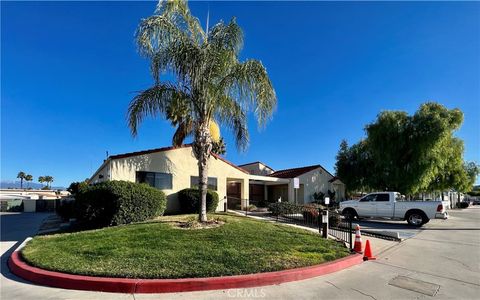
(210, 83)
(21, 175)
(28, 178)
(408, 153)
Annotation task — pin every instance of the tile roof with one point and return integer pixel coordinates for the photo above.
(294, 172)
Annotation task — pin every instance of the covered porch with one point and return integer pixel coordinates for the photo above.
(258, 191)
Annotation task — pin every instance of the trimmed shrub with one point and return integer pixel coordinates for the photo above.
(462, 204)
(281, 208)
(113, 203)
(310, 213)
(76, 187)
(334, 220)
(190, 201)
(66, 209)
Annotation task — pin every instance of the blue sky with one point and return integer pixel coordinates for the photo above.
(70, 69)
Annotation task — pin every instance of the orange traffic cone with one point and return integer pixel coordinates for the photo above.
(368, 252)
(358, 240)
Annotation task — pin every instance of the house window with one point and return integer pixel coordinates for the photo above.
(211, 183)
(161, 181)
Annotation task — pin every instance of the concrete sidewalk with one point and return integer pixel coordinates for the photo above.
(441, 260)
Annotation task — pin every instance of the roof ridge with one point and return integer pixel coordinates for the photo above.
(304, 167)
(148, 151)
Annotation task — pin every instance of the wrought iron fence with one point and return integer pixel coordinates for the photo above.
(340, 227)
(307, 215)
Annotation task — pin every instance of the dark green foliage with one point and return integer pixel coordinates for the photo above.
(462, 204)
(159, 250)
(280, 208)
(319, 197)
(76, 187)
(474, 193)
(118, 202)
(219, 147)
(334, 220)
(66, 209)
(408, 153)
(189, 200)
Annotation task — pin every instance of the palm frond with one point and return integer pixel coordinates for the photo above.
(151, 102)
(229, 36)
(184, 130)
(248, 83)
(231, 115)
(179, 12)
(157, 32)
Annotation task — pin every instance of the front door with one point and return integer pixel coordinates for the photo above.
(234, 194)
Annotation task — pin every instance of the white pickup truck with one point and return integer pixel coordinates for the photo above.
(391, 205)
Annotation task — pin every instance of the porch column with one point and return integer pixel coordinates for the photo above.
(291, 191)
(245, 192)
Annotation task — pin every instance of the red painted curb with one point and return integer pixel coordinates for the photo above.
(126, 285)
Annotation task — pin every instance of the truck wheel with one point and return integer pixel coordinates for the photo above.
(416, 219)
(349, 213)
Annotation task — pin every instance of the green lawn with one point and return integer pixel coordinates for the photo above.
(159, 250)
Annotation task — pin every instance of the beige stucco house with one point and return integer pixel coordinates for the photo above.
(173, 169)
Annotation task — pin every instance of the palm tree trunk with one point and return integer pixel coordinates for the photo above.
(21, 183)
(202, 148)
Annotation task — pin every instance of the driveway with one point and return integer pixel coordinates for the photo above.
(404, 230)
(442, 260)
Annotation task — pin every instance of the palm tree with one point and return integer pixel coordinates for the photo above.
(28, 178)
(41, 179)
(21, 175)
(211, 86)
(49, 180)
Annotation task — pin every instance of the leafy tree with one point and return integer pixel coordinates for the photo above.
(76, 187)
(211, 84)
(409, 154)
(21, 175)
(28, 178)
(354, 166)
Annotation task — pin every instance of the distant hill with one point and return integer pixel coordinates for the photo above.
(11, 184)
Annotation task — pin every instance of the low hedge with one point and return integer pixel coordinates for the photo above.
(462, 204)
(189, 200)
(66, 209)
(281, 208)
(113, 203)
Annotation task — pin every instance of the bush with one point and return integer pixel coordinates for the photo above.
(462, 204)
(66, 209)
(334, 220)
(76, 187)
(281, 208)
(252, 207)
(310, 213)
(118, 202)
(190, 201)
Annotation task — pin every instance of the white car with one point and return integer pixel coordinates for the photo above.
(391, 205)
